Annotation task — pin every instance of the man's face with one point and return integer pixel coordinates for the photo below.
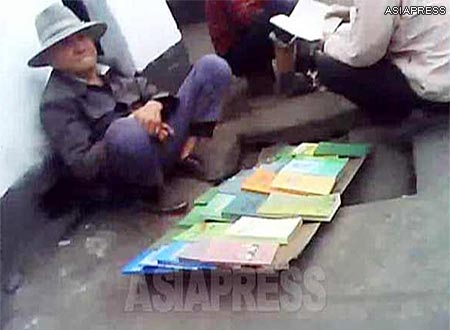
(76, 54)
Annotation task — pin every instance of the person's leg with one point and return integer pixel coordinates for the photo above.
(381, 89)
(133, 157)
(253, 53)
(200, 105)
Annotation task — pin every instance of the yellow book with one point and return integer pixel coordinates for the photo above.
(306, 149)
(296, 183)
(259, 182)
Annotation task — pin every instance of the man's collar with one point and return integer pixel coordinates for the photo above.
(76, 84)
(102, 69)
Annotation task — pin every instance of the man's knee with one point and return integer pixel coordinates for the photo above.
(214, 69)
(124, 136)
(332, 73)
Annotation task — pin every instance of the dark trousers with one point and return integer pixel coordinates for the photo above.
(254, 52)
(135, 158)
(380, 89)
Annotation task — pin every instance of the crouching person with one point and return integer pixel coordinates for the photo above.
(111, 129)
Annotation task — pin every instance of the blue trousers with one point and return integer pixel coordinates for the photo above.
(136, 158)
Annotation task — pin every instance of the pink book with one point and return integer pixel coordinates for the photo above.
(231, 252)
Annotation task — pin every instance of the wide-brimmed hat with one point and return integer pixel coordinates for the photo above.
(56, 23)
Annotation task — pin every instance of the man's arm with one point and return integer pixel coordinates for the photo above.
(70, 138)
(367, 40)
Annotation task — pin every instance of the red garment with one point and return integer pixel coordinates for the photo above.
(229, 19)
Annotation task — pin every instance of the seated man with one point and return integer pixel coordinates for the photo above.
(388, 64)
(105, 127)
(239, 31)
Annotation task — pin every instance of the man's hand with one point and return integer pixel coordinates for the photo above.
(149, 116)
(164, 132)
(340, 12)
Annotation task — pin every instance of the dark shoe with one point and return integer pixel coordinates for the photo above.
(165, 208)
(159, 204)
(295, 84)
(152, 200)
(191, 166)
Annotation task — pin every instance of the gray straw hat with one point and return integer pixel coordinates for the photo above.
(57, 23)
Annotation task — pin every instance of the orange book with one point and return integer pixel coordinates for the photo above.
(296, 183)
(259, 182)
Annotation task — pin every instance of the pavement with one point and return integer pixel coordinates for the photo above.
(381, 264)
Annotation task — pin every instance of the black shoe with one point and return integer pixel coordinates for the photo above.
(154, 201)
(191, 166)
(165, 208)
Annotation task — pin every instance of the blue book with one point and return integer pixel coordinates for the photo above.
(167, 257)
(233, 185)
(245, 204)
(134, 267)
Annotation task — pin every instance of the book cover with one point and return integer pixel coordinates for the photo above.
(296, 183)
(231, 252)
(256, 228)
(310, 208)
(318, 166)
(275, 166)
(285, 152)
(355, 150)
(134, 267)
(206, 197)
(193, 217)
(259, 182)
(167, 257)
(202, 231)
(305, 148)
(245, 203)
(213, 210)
(232, 186)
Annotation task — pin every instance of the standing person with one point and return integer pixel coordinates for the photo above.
(389, 62)
(108, 128)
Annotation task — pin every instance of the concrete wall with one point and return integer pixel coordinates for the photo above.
(22, 143)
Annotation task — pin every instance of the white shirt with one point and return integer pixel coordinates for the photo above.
(419, 45)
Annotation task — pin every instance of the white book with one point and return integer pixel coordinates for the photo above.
(275, 230)
(307, 20)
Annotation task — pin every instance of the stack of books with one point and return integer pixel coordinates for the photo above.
(263, 217)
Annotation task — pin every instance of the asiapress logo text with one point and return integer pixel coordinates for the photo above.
(416, 10)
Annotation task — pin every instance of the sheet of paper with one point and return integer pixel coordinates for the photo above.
(307, 20)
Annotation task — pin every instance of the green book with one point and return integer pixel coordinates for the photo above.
(311, 208)
(195, 216)
(245, 204)
(203, 231)
(206, 197)
(285, 153)
(213, 210)
(319, 166)
(343, 149)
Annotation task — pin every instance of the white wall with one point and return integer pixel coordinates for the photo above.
(22, 143)
(138, 33)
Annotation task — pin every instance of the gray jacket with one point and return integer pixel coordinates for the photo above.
(75, 116)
